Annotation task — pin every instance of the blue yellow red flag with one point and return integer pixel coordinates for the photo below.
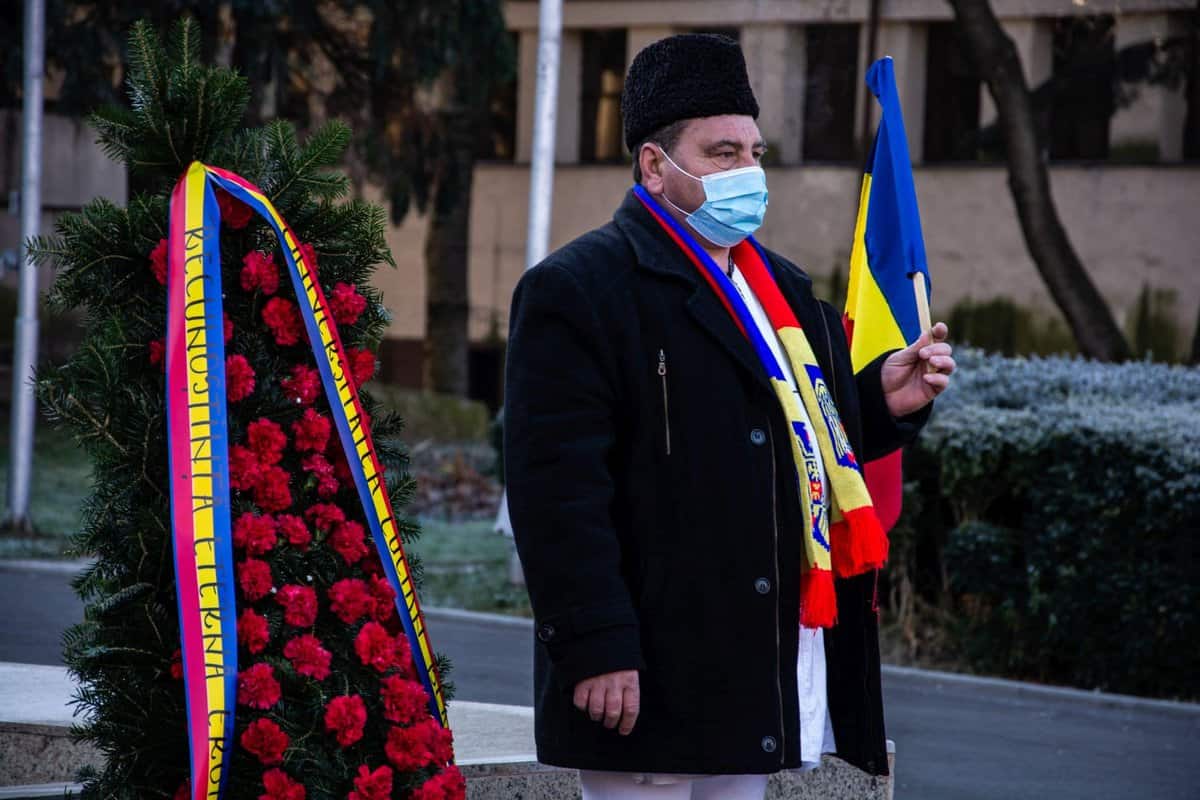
(888, 250)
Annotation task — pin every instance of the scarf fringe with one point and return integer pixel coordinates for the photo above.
(859, 542)
(818, 600)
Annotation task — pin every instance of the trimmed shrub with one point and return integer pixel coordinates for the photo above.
(1057, 509)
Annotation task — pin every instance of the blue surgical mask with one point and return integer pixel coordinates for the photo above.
(735, 202)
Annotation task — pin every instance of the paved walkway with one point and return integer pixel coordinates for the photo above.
(955, 739)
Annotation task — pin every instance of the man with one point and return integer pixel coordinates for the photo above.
(668, 382)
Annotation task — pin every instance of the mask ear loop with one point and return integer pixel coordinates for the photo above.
(663, 150)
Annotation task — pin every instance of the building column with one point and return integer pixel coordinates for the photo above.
(637, 39)
(775, 62)
(906, 43)
(1152, 124)
(1034, 40)
(570, 79)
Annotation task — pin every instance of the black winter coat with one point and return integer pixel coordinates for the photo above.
(656, 512)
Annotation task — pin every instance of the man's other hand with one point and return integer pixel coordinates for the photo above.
(912, 377)
(613, 697)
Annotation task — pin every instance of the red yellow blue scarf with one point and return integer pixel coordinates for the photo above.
(199, 463)
(844, 537)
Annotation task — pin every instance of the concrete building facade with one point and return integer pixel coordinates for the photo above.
(1130, 209)
(1124, 160)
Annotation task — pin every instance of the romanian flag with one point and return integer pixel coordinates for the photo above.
(888, 250)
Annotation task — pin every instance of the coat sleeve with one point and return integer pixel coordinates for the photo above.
(559, 422)
(882, 433)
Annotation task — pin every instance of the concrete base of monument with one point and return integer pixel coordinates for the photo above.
(493, 745)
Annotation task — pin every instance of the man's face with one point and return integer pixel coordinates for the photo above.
(707, 145)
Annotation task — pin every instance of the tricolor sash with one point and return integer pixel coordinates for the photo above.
(844, 536)
(199, 462)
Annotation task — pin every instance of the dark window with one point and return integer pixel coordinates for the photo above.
(951, 97)
(600, 100)
(1084, 62)
(830, 89)
(1191, 124)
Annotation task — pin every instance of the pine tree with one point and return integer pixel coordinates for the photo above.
(304, 525)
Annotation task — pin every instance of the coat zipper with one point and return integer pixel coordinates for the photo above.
(778, 646)
(662, 373)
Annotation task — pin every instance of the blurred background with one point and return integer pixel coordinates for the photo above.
(1054, 502)
(1053, 505)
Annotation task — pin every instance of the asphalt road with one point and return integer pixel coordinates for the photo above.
(955, 740)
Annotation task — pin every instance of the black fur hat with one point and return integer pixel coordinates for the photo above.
(682, 77)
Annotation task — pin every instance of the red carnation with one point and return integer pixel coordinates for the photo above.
(279, 786)
(177, 664)
(158, 261)
(324, 516)
(308, 657)
(184, 792)
(234, 212)
(253, 533)
(227, 325)
(322, 471)
(362, 365)
(341, 467)
(404, 701)
(271, 493)
(449, 784)
(310, 256)
(259, 272)
(283, 318)
(253, 631)
(158, 353)
(370, 785)
(266, 740)
(347, 540)
(299, 605)
(303, 386)
(239, 378)
(419, 745)
(311, 431)
(385, 597)
(254, 578)
(243, 467)
(376, 647)
(345, 716)
(257, 687)
(350, 599)
(267, 440)
(346, 304)
(294, 530)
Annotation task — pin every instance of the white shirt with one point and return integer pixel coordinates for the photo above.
(816, 732)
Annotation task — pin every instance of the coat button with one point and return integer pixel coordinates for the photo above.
(545, 632)
(762, 586)
(757, 436)
(768, 744)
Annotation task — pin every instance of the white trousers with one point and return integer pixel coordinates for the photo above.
(602, 785)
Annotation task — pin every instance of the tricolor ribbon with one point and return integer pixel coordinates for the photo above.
(199, 463)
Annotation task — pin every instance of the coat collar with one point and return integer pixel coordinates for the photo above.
(658, 254)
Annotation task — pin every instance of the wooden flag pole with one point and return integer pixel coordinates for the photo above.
(922, 297)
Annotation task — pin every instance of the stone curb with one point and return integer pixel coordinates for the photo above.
(1106, 699)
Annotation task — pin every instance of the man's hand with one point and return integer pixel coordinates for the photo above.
(908, 382)
(613, 697)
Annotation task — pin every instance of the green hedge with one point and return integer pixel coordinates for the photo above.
(437, 417)
(1052, 511)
